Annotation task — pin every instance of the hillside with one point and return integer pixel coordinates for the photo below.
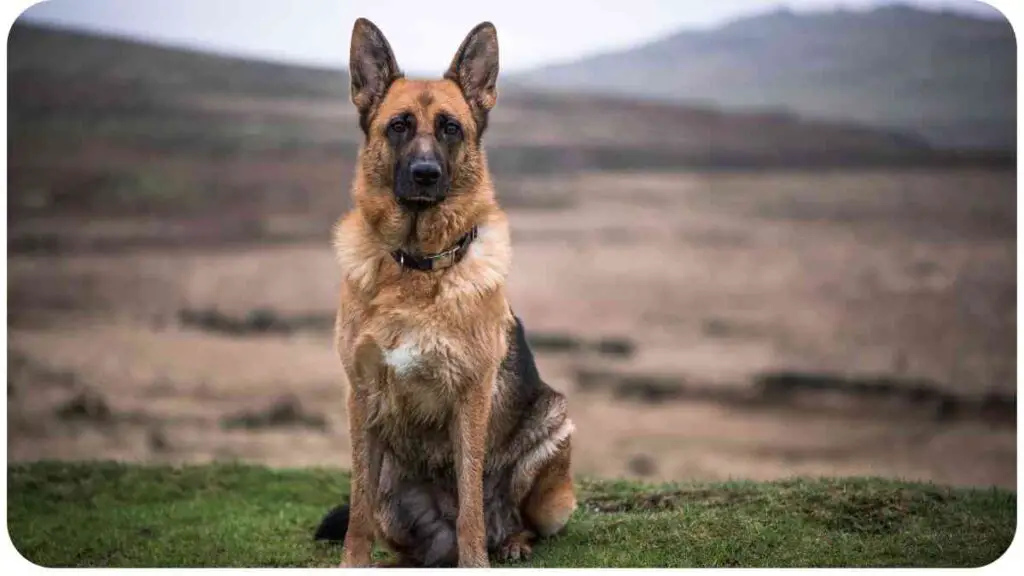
(104, 514)
(54, 74)
(948, 77)
(99, 124)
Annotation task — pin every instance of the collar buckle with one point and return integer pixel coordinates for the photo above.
(445, 259)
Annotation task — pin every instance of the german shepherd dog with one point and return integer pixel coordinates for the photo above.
(460, 452)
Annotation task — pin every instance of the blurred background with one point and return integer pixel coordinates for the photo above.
(752, 239)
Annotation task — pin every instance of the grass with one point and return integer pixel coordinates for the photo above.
(107, 514)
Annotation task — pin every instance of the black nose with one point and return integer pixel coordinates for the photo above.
(425, 173)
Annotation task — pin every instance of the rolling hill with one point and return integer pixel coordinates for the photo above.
(108, 127)
(948, 77)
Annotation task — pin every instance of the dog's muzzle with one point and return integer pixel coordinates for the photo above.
(421, 179)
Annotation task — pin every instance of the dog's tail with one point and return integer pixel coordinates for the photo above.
(334, 525)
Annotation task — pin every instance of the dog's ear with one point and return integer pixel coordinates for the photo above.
(371, 67)
(475, 70)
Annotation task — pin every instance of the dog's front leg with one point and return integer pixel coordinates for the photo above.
(366, 459)
(360, 536)
(472, 415)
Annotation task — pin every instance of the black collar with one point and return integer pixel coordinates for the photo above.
(439, 261)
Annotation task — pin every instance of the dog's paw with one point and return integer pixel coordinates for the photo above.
(357, 560)
(516, 548)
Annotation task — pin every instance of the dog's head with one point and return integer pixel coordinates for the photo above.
(422, 136)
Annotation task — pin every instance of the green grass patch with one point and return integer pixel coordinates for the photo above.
(107, 514)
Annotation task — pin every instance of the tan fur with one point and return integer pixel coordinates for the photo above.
(397, 329)
(552, 499)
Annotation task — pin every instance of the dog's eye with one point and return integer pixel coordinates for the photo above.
(398, 126)
(452, 129)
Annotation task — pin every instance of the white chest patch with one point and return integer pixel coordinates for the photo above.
(403, 358)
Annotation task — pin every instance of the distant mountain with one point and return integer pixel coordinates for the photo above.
(946, 76)
(37, 52)
(208, 148)
(65, 85)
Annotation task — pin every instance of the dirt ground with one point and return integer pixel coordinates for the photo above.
(713, 280)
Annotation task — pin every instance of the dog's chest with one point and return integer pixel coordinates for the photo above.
(412, 356)
(426, 372)
(423, 375)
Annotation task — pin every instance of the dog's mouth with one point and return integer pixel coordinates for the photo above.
(418, 203)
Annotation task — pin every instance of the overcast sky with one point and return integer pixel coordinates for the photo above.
(424, 33)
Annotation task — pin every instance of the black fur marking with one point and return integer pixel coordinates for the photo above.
(419, 148)
(424, 514)
(401, 138)
(442, 125)
(519, 363)
(334, 525)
